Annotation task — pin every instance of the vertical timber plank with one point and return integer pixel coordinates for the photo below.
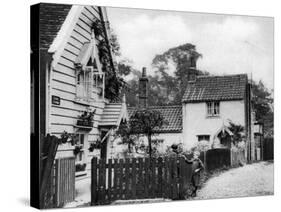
(134, 175)
(94, 181)
(146, 184)
(160, 181)
(109, 189)
(127, 178)
(121, 178)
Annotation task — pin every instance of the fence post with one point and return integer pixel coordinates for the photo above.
(181, 178)
(121, 179)
(115, 181)
(140, 189)
(109, 186)
(94, 181)
(127, 178)
(146, 185)
(134, 175)
(153, 177)
(160, 177)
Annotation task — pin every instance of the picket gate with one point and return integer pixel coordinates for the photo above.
(138, 178)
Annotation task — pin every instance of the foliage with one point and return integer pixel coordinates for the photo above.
(143, 122)
(201, 146)
(95, 145)
(183, 57)
(66, 137)
(98, 27)
(87, 115)
(238, 132)
(77, 149)
(166, 88)
(113, 82)
(262, 101)
(128, 137)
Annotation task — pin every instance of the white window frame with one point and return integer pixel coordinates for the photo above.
(213, 109)
(82, 151)
(84, 85)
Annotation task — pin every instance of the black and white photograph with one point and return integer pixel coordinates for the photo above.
(132, 105)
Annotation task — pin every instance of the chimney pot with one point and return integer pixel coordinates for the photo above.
(143, 89)
(144, 72)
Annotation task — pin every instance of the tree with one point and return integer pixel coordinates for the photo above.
(128, 137)
(263, 104)
(142, 122)
(165, 88)
(183, 58)
(146, 122)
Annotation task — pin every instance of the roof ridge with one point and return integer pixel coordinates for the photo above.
(155, 106)
(220, 76)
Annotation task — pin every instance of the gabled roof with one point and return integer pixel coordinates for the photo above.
(210, 88)
(52, 17)
(113, 114)
(172, 114)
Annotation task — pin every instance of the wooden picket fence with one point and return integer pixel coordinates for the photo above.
(64, 181)
(268, 149)
(237, 157)
(57, 176)
(60, 187)
(138, 178)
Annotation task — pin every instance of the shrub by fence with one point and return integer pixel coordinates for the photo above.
(237, 157)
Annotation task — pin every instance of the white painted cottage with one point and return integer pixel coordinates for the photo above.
(73, 79)
(210, 103)
(168, 134)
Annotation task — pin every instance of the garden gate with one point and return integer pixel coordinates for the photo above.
(138, 178)
(57, 185)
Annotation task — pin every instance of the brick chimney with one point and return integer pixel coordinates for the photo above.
(192, 72)
(143, 89)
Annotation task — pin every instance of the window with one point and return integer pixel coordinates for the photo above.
(203, 138)
(79, 158)
(88, 82)
(84, 83)
(213, 108)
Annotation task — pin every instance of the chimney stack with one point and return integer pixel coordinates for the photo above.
(143, 89)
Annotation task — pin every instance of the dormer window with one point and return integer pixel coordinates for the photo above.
(84, 83)
(89, 82)
(90, 79)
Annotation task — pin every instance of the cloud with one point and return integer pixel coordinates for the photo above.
(142, 38)
(232, 47)
(229, 44)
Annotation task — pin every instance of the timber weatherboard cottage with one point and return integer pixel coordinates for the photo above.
(72, 80)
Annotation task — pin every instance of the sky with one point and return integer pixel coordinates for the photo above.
(230, 44)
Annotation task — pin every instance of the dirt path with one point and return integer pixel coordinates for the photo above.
(249, 180)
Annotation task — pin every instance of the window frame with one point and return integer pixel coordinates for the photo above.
(203, 135)
(213, 108)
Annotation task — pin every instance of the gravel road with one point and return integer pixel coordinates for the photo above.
(250, 180)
